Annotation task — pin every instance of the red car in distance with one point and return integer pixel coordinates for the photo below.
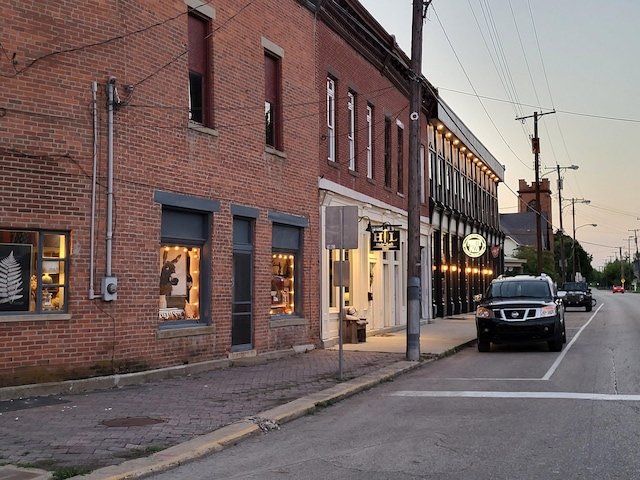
(618, 289)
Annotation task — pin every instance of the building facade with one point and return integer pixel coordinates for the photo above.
(364, 164)
(160, 185)
(168, 169)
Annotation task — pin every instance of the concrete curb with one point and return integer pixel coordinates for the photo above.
(231, 434)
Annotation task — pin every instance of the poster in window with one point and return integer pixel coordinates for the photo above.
(15, 285)
(173, 273)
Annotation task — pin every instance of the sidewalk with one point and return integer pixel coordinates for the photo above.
(126, 432)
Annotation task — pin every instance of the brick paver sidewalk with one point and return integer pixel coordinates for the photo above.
(108, 427)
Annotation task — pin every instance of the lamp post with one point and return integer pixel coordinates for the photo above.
(562, 261)
(573, 247)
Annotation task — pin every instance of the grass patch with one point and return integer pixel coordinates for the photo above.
(317, 407)
(61, 473)
(141, 452)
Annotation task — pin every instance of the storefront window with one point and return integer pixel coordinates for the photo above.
(282, 282)
(179, 283)
(33, 271)
(334, 278)
(286, 262)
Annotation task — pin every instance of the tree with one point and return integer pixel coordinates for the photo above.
(583, 259)
(530, 254)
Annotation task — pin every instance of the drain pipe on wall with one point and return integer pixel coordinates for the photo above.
(109, 282)
(94, 94)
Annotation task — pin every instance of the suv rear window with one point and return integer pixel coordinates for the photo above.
(516, 289)
(575, 286)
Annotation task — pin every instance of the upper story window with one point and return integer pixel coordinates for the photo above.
(331, 119)
(199, 71)
(351, 135)
(423, 193)
(400, 159)
(369, 141)
(34, 271)
(273, 100)
(387, 152)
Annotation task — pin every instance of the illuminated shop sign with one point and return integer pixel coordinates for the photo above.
(385, 239)
(474, 245)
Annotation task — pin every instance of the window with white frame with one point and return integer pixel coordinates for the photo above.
(351, 136)
(369, 141)
(423, 194)
(400, 158)
(331, 119)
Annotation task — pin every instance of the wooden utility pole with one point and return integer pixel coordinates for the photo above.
(535, 146)
(413, 206)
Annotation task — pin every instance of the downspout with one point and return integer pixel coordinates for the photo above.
(94, 93)
(110, 104)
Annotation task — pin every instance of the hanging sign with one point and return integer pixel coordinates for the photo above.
(474, 245)
(385, 240)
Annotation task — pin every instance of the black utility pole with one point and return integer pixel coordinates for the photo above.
(413, 214)
(535, 146)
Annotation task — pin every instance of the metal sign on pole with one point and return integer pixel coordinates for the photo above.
(341, 232)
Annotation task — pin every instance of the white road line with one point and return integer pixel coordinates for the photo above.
(551, 370)
(528, 395)
(555, 365)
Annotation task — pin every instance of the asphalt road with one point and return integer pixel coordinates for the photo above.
(517, 412)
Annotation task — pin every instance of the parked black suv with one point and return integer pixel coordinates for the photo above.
(523, 308)
(577, 294)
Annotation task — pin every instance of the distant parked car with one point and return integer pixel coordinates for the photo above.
(577, 294)
(618, 289)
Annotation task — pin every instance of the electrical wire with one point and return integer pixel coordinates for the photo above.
(91, 45)
(476, 93)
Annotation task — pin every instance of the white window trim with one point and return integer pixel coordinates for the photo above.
(331, 119)
(423, 194)
(369, 142)
(352, 130)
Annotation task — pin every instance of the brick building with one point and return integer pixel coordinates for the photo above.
(167, 167)
(363, 163)
(159, 166)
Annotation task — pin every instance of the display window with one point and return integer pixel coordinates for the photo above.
(33, 271)
(179, 293)
(282, 282)
(334, 279)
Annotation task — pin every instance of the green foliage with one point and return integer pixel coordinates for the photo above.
(614, 271)
(530, 254)
(67, 472)
(582, 263)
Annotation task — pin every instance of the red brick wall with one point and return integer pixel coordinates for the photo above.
(46, 159)
(338, 58)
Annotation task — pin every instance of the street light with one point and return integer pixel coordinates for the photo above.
(558, 168)
(573, 247)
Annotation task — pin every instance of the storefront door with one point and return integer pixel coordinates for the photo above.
(242, 291)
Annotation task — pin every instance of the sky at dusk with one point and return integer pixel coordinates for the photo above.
(496, 60)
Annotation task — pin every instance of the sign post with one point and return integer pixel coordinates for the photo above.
(341, 232)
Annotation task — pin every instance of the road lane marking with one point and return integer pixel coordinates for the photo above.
(520, 395)
(556, 364)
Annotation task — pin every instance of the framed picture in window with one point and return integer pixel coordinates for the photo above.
(173, 272)
(15, 272)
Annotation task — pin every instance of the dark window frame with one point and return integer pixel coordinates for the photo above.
(200, 76)
(273, 101)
